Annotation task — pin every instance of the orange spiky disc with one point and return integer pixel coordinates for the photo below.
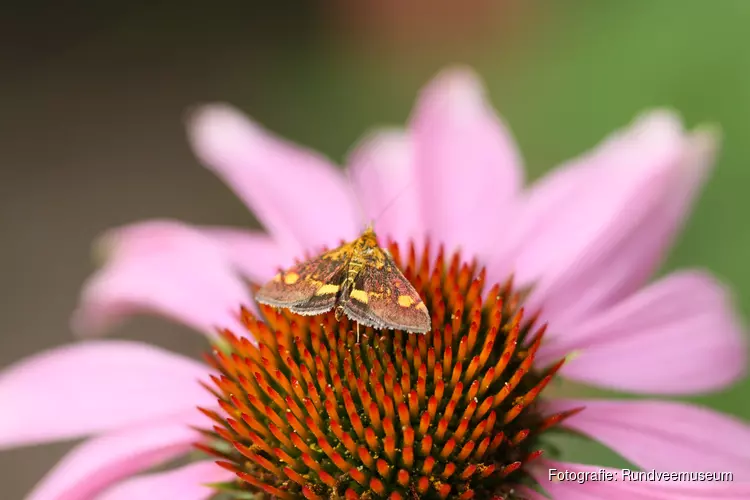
(311, 413)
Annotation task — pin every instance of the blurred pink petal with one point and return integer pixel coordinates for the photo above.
(699, 490)
(632, 490)
(609, 217)
(185, 483)
(92, 387)
(643, 254)
(680, 335)
(254, 255)
(167, 268)
(666, 436)
(301, 198)
(382, 170)
(102, 461)
(590, 204)
(469, 169)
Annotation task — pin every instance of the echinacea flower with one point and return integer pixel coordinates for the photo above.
(294, 408)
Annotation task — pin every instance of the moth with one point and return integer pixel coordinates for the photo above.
(359, 279)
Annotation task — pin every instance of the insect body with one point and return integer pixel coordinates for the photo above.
(358, 279)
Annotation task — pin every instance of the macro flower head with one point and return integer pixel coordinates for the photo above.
(525, 284)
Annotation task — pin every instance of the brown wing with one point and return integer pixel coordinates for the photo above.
(383, 298)
(308, 288)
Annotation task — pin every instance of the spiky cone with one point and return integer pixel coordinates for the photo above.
(311, 413)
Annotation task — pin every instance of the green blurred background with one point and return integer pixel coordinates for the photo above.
(93, 99)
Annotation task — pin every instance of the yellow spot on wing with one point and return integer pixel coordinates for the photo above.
(405, 300)
(327, 289)
(359, 295)
(277, 278)
(291, 278)
(422, 307)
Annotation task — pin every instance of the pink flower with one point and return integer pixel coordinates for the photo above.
(585, 239)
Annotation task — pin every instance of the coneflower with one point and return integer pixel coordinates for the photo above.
(300, 409)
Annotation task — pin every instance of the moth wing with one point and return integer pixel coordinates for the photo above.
(324, 298)
(299, 287)
(384, 298)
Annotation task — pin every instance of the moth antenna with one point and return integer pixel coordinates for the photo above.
(388, 206)
(393, 201)
(350, 183)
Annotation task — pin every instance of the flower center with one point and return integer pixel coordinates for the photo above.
(310, 413)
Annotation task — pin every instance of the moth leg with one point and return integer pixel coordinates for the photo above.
(357, 332)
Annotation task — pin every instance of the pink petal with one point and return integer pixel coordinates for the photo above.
(100, 462)
(468, 166)
(680, 335)
(594, 231)
(301, 198)
(185, 483)
(255, 255)
(166, 268)
(624, 489)
(382, 170)
(92, 387)
(665, 436)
